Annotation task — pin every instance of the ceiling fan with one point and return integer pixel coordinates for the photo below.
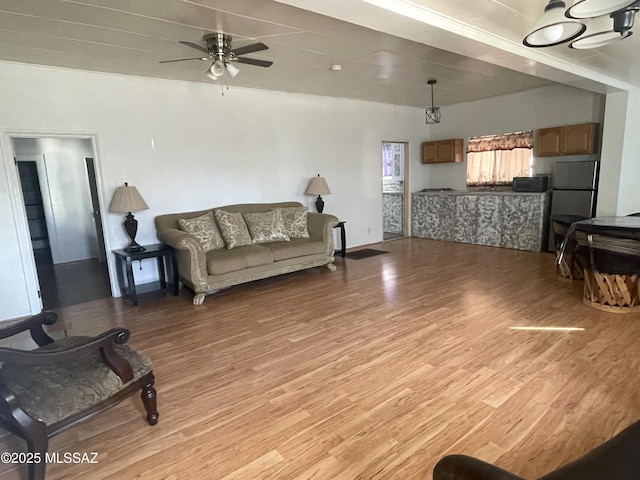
(218, 48)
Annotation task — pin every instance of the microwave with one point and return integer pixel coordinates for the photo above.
(531, 184)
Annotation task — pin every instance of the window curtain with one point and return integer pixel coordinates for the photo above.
(387, 160)
(508, 141)
(496, 159)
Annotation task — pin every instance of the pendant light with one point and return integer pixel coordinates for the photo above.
(553, 27)
(432, 113)
(600, 31)
(596, 8)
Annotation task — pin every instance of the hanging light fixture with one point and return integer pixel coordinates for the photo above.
(553, 27)
(596, 8)
(600, 31)
(586, 23)
(432, 113)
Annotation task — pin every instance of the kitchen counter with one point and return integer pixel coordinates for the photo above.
(501, 219)
(392, 211)
(480, 192)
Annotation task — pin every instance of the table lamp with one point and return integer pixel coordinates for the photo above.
(318, 186)
(126, 200)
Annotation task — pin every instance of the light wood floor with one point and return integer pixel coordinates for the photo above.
(374, 371)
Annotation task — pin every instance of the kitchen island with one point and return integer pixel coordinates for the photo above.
(506, 219)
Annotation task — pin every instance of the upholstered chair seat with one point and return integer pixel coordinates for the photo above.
(61, 382)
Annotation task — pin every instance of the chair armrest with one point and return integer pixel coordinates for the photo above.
(463, 467)
(104, 343)
(34, 325)
(190, 256)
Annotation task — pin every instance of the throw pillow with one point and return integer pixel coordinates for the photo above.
(295, 221)
(233, 229)
(204, 228)
(266, 227)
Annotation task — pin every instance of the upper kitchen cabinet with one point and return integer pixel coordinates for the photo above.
(442, 151)
(567, 140)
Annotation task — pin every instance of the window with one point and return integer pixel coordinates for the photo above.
(393, 161)
(496, 159)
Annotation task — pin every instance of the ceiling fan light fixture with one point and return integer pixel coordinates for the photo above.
(217, 68)
(553, 27)
(232, 70)
(210, 75)
(432, 113)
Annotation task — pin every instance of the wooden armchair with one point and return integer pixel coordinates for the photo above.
(47, 390)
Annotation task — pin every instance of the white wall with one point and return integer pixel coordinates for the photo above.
(71, 229)
(538, 108)
(185, 146)
(629, 194)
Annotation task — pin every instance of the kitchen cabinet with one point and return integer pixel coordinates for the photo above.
(567, 140)
(432, 217)
(442, 151)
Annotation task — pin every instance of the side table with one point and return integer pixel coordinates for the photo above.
(343, 239)
(167, 269)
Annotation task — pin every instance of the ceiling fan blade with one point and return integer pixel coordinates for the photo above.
(196, 46)
(254, 61)
(182, 59)
(254, 47)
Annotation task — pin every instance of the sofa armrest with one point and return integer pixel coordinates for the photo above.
(463, 467)
(190, 256)
(320, 226)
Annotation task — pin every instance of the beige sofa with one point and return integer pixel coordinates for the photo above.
(208, 271)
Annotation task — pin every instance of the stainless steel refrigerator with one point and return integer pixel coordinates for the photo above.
(575, 190)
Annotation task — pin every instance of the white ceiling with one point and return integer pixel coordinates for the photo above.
(385, 56)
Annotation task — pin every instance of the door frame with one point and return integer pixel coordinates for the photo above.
(405, 185)
(27, 256)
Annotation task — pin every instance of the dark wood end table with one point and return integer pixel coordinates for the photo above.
(167, 269)
(343, 239)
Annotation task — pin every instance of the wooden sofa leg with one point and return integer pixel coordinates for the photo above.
(331, 267)
(198, 299)
(149, 401)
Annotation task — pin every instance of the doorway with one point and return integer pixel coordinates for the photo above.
(58, 182)
(395, 167)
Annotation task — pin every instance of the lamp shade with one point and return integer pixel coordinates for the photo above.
(553, 27)
(596, 8)
(232, 70)
(599, 32)
(318, 186)
(127, 199)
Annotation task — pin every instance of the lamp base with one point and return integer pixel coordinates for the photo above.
(134, 247)
(319, 204)
(131, 227)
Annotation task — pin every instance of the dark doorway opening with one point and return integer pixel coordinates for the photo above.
(62, 282)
